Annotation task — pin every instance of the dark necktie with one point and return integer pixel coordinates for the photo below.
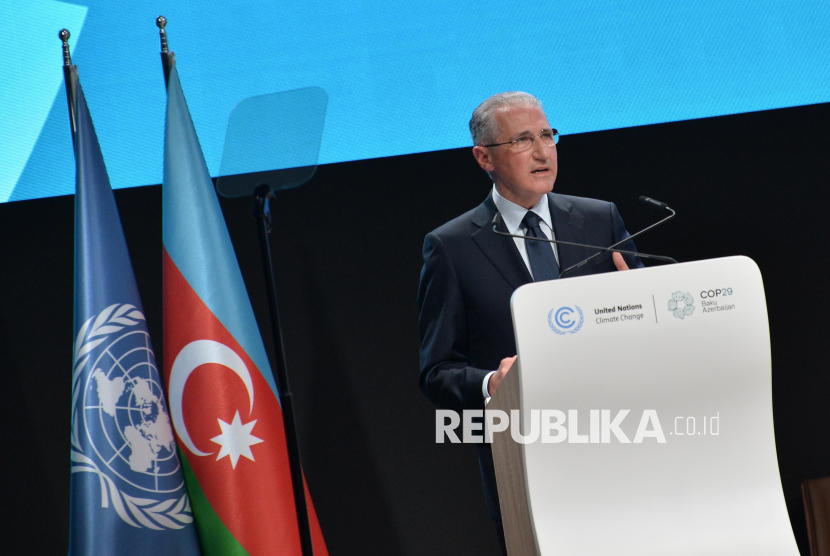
(539, 253)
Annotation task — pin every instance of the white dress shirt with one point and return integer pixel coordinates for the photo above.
(512, 215)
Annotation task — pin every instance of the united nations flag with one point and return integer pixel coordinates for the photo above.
(127, 489)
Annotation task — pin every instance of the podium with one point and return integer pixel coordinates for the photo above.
(649, 393)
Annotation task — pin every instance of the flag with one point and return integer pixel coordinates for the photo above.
(223, 399)
(128, 495)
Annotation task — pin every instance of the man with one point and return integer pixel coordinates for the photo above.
(470, 272)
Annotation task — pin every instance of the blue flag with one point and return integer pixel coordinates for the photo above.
(127, 489)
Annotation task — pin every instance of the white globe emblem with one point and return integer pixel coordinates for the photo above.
(124, 414)
(117, 404)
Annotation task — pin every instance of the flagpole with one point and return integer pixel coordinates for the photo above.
(68, 69)
(262, 196)
(109, 318)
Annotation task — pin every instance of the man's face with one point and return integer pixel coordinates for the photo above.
(521, 177)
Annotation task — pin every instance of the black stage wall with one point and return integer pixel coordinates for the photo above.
(348, 245)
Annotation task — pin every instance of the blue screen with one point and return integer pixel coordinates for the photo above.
(400, 77)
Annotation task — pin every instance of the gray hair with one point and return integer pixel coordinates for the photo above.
(483, 126)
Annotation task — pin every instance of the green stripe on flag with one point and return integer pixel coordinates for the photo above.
(214, 537)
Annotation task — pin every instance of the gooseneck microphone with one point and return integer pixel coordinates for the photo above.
(654, 205)
(657, 205)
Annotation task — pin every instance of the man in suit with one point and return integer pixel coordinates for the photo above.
(470, 272)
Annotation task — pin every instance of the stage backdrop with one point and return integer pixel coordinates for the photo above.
(401, 77)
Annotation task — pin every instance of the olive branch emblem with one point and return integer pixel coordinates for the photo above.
(554, 320)
(173, 513)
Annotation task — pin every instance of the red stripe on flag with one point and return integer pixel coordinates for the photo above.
(254, 499)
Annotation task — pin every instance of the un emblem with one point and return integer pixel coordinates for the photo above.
(682, 305)
(562, 322)
(120, 425)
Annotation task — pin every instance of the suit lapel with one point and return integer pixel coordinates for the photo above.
(500, 250)
(567, 226)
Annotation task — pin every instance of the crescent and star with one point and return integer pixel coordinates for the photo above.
(236, 438)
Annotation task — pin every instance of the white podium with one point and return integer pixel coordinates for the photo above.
(690, 468)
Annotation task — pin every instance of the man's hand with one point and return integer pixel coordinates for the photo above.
(498, 376)
(619, 262)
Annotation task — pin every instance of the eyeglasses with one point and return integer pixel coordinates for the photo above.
(549, 138)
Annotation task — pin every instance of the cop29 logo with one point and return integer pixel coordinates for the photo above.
(682, 304)
(563, 320)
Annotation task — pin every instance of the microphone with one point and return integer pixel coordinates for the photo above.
(600, 250)
(653, 203)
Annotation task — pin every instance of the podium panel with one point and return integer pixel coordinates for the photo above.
(655, 416)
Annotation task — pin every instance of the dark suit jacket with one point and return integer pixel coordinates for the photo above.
(469, 275)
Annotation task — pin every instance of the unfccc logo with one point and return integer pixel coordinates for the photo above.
(562, 320)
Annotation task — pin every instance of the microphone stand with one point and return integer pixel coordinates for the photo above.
(611, 249)
(598, 253)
